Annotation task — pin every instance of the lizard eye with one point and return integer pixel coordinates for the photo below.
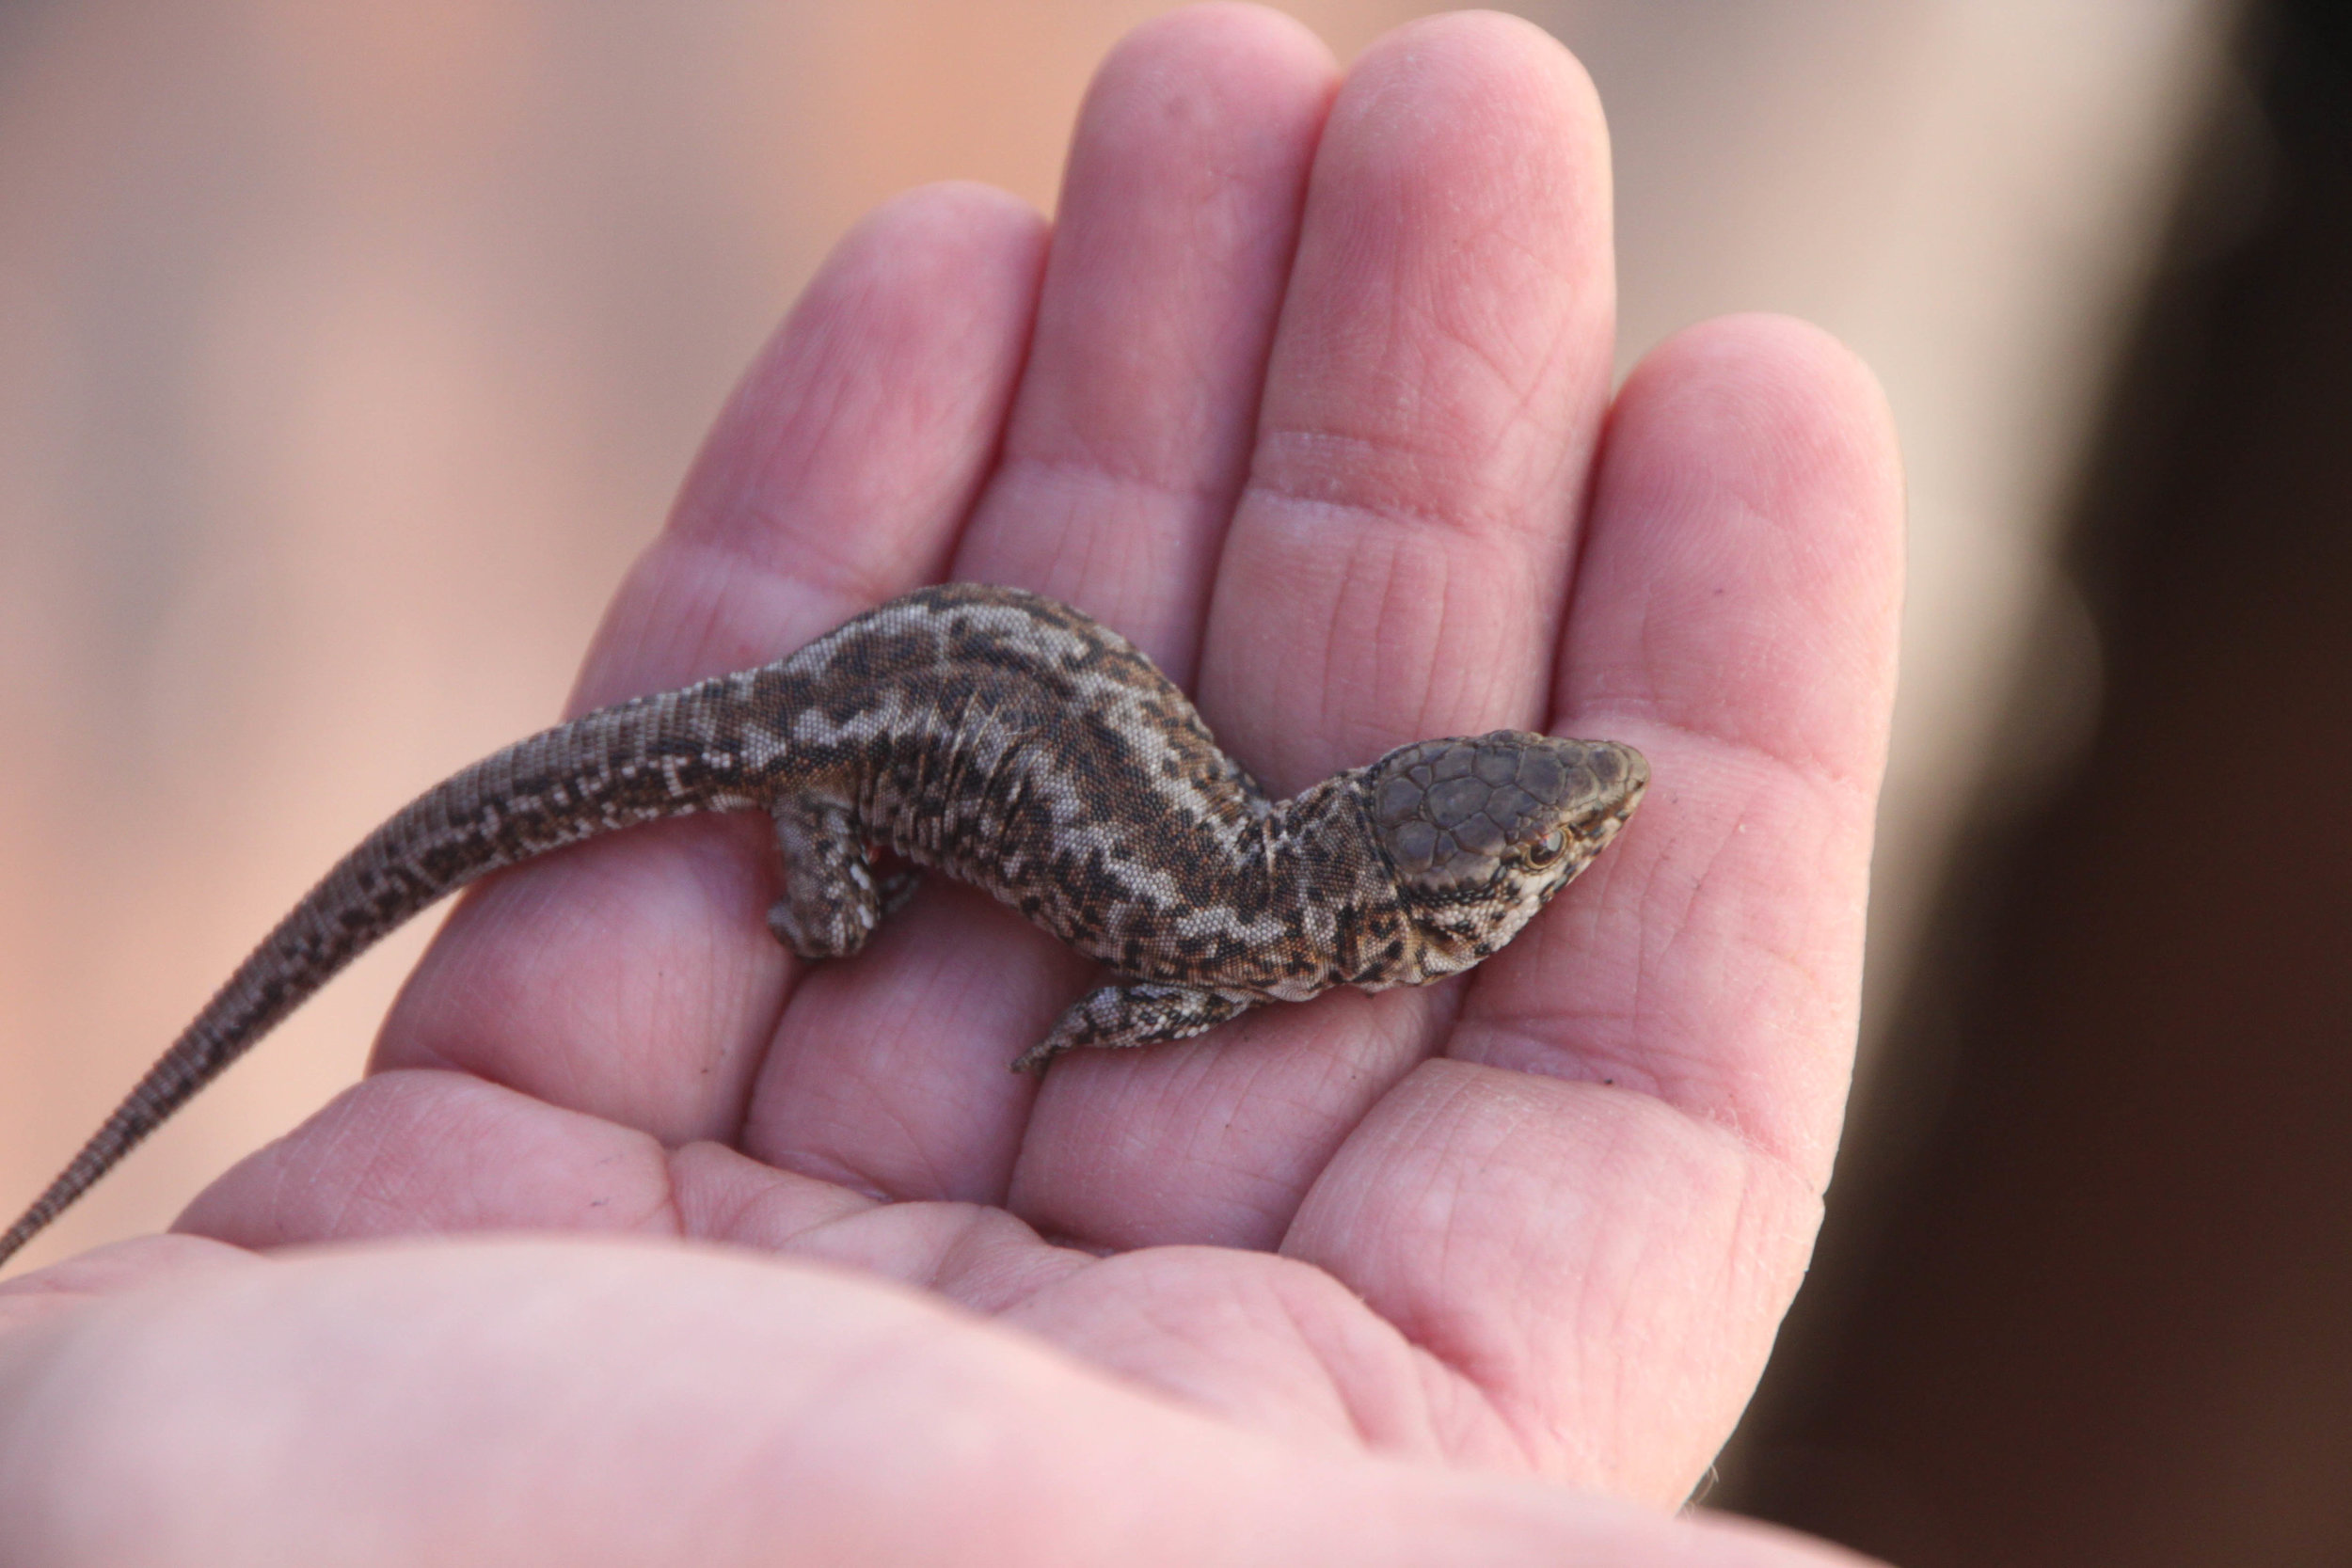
(1548, 849)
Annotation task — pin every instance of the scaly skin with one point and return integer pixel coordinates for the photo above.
(1007, 742)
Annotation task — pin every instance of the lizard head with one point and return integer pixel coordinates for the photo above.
(1483, 830)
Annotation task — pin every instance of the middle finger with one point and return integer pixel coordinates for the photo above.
(1396, 569)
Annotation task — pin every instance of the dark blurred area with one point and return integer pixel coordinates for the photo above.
(2105, 1314)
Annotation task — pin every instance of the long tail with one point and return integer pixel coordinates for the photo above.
(612, 768)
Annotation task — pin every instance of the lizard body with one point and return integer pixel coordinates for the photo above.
(1008, 741)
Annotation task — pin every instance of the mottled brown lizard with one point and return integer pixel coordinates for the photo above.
(1010, 742)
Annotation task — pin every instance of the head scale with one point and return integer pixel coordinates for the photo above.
(1483, 830)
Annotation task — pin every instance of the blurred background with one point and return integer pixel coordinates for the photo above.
(348, 353)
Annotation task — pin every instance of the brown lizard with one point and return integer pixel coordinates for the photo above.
(1010, 742)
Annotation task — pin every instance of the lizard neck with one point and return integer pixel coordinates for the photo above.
(1332, 890)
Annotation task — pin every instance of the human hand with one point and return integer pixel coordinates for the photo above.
(1318, 413)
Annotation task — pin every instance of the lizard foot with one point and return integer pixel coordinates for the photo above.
(1111, 1018)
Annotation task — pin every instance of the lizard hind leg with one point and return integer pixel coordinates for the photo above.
(832, 899)
(1110, 1018)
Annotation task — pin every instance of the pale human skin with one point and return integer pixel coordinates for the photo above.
(1309, 393)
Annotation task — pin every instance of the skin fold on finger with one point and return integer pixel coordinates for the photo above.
(1129, 437)
(585, 1404)
(634, 977)
(414, 1150)
(443, 1152)
(1541, 1235)
(1396, 569)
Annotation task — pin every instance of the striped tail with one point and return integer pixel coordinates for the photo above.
(636, 762)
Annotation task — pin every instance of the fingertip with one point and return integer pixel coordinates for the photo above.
(878, 301)
(872, 322)
(1744, 568)
(954, 217)
(1790, 387)
(1482, 64)
(1254, 45)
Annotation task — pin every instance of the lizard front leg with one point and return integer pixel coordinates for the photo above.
(1140, 1012)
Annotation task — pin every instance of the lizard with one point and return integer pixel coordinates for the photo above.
(1009, 741)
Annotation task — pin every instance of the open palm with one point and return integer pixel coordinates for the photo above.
(1308, 393)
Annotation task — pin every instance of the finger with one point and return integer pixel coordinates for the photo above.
(1736, 619)
(1395, 569)
(1627, 1168)
(1431, 409)
(1131, 435)
(1129, 438)
(444, 1152)
(407, 1151)
(836, 477)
